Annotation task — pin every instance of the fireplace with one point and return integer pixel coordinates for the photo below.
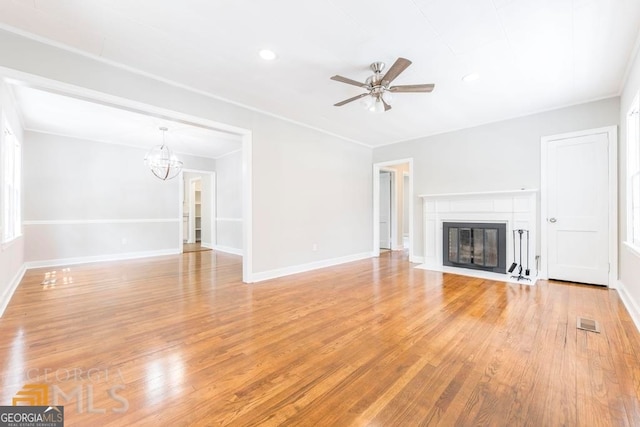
(514, 208)
(479, 246)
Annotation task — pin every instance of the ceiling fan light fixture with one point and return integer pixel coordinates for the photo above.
(162, 162)
(378, 106)
(367, 102)
(377, 97)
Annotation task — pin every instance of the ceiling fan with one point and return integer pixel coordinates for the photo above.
(378, 86)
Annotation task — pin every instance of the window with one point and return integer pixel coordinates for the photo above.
(633, 174)
(11, 157)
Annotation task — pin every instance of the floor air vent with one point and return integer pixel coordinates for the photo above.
(588, 325)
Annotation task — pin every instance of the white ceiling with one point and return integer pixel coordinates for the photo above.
(48, 112)
(532, 55)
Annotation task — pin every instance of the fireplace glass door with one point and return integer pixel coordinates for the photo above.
(475, 245)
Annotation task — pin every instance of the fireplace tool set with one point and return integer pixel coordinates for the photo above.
(519, 265)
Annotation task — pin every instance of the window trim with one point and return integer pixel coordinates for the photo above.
(634, 109)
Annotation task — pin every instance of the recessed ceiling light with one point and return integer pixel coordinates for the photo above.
(267, 55)
(471, 77)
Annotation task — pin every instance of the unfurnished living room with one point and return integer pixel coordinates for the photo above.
(323, 213)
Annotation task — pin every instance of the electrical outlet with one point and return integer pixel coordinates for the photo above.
(124, 241)
(314, 247)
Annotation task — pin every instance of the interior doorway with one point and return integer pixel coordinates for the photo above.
(399, 208)
(406, 196)
(386, 201)
(160, 113)
(198, 210)
(579, 206)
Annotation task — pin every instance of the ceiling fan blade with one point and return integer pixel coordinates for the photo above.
(412, 88)
(387, 107)
(348, 81)
(398, 67)
(346, 101)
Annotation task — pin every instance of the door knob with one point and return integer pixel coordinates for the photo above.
(552, 220)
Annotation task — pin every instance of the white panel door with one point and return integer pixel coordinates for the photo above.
(385, 210)
(578, 209)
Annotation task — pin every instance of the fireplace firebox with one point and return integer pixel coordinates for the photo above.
(479, 246)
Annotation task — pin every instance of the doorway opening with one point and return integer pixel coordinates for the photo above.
(396, 221)
(387, 235)
(153, 113)
(579, 207)
(198, 210)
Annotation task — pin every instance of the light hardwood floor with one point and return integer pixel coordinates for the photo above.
(193, 247)
(374, 342)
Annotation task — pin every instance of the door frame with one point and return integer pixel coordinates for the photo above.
(612, 134)
(376, 205)
(212, 176)
(191, 228)
(393, 207)
(405, 192)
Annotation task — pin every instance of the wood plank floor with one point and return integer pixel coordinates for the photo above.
(181, 341)
(193, 247)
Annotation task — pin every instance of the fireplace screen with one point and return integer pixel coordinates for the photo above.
(479, 246)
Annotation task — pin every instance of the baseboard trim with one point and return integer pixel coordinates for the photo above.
(302, 268)
(226, 250)
(630, 304)
(417, 260)
(13, 285)
(100, 258)
(480, 274)
(206, 245)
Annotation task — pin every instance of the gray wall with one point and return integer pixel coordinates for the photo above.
(629, 262)
(493, 157)
(229, 202)
(308, 187)
(77, 204)
(12, 254)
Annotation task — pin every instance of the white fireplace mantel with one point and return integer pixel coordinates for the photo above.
(516, 208)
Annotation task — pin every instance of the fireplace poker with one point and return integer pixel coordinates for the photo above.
(514, 264)
(520, 266)
(527, 272)
(520, 276)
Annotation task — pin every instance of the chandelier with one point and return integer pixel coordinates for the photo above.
(162, 162)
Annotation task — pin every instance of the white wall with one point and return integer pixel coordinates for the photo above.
(229, 203)
(509, 151)
(308, 187)
(91, 200)
(629, 261)
(11, 254)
